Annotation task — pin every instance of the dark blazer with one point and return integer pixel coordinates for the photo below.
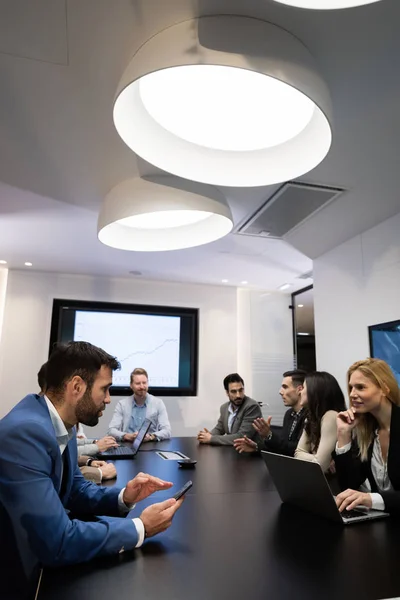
(41, 507)
(242, 425)
(280, 442)
(352, 472)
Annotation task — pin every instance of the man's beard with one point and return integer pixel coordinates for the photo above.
(86, 411)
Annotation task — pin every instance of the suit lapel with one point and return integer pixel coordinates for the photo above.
(65, 484)
(394, 448)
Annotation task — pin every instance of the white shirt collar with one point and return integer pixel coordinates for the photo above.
(62, 433)
(140, 405)
(231, 410)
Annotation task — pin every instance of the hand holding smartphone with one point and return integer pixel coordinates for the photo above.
(183, 490)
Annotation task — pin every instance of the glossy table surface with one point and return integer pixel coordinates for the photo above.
(233, 539)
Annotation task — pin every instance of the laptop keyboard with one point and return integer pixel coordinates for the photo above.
(350, 514)
(119, 450)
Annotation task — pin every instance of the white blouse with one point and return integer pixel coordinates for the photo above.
(379, 472)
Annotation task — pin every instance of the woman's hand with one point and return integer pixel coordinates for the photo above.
(350, 499)
(345, 423)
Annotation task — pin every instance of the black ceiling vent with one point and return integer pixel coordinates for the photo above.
(292, 204)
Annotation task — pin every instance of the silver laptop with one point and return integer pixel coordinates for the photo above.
(303, 484)
(124, 451)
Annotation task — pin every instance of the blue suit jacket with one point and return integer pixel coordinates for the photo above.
(48, 528)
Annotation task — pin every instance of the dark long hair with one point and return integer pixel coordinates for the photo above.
(323, 394)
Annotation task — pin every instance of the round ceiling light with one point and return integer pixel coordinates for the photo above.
(225, 100)
(326, 4)
(162, 213)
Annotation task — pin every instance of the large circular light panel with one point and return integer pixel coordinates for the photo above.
(326, 4)
(224, 100)
(157, 215)
(225, 108)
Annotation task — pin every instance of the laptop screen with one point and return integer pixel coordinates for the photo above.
(141, 435)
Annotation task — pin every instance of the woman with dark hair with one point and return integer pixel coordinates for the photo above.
(324, 399)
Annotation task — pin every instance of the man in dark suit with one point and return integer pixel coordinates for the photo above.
(57, 517)
(285, 441)
(236, 415)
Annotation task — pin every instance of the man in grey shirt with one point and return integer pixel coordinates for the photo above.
(236, 415)
(131, 411)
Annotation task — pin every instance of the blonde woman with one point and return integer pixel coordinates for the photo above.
(368, 433)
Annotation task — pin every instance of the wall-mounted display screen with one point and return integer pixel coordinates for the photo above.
(384, 341)
(161, 339)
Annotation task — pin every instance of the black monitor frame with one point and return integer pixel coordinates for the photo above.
(192, 313)
(376, 327)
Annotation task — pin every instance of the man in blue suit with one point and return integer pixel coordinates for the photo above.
(56, 516)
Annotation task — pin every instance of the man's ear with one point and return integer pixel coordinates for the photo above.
(76, 386)
(227, 393)
(299, 389)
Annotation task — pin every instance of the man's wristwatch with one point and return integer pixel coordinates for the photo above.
(89, 461)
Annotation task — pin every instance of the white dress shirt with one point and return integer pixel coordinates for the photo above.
(379, 472)
(63, 436)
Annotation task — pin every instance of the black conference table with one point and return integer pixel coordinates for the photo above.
(233, 539)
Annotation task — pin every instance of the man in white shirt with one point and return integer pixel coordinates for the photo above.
(131, 411)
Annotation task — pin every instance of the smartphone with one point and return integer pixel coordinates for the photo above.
(183, 490)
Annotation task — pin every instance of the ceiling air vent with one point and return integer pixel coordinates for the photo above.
(288, 207)
(308, 275)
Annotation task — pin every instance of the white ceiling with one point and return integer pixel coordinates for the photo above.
(59, 152)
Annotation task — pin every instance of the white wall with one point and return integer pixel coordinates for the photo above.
(355, 285)
(265, 349)
(26, 332)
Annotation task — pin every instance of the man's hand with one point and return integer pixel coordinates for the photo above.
(98, 463)
(129, 437)
(108, 471)
(158, 517)
(142, 486)
(204, 436)
(262, 426)
(106, 442)
(244, 444)
(352, 498)
(149, 437)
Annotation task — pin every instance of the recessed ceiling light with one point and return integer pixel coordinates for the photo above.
(326, 4)
(28, 264)
(285, 286)
(244, 282)
(300, 305)
(217, 115)
(162, 213)
(3, 262)
(301, 333)
(224, 280)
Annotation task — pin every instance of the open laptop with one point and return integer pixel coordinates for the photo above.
(126, 451)
(303, 484)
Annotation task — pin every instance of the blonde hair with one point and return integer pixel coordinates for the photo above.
(139, 371)
(380, 374)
